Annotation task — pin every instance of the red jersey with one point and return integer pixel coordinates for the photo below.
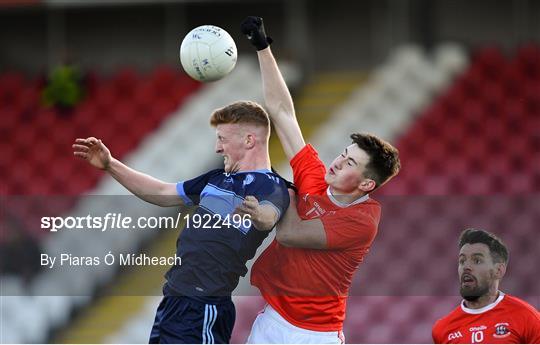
(508, 320)
(309, 287)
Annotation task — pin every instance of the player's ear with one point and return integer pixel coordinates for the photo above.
(367, 185)
(249, 141)
(500, 270)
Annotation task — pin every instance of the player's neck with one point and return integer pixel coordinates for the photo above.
(345, 198)
(483, 300)
(254, 162)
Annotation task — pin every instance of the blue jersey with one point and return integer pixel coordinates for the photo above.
(215, 245)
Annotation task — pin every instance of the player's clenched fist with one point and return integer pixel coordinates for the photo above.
(93, 151)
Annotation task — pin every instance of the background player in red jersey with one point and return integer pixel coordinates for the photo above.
(486, 315)
(305, 274)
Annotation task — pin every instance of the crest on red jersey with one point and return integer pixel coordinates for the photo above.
(501, 330)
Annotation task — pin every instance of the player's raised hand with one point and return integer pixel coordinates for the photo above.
(253, 28)
(93, 151)
(264, 217)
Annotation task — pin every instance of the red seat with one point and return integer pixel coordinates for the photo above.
(124, 83)
(127, 103)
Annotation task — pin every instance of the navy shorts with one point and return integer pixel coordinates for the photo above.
(181, 319)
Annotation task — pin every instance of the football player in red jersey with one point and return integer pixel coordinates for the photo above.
(305, 274)
(486, 314)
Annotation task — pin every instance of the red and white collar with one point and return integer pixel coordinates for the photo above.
(483, 309)
(342, 204)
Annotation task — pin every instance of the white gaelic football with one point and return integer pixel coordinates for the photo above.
(208, 53)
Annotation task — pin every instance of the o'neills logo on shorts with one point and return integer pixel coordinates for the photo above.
(501, 330)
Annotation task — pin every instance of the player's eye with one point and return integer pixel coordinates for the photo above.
(343, 155)
(349, 163)
(477, 261)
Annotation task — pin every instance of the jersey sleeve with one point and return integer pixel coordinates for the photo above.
(435, 333)
(308, 171)
(190, 190)
(348, 228)
(532, 328)
(272, 191)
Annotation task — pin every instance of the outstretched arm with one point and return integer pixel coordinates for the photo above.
(144, 186)
(279, 104)
(277, 97)
(295, 232)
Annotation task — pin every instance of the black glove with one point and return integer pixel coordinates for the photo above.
(253, 28)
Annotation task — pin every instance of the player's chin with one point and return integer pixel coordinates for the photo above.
(467, 287)
(469, 293)
(328, 178)
(334, 182)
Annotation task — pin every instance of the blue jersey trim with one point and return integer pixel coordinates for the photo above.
(221, 201)
(250, 171)
(226, 191)
(182, 194)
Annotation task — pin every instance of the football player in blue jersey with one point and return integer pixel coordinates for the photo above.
(241, 202)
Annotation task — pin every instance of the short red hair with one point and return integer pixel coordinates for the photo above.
(246, 112)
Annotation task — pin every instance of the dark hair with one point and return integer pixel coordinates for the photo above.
(241, 112)
(497, 249)
(383, 158)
